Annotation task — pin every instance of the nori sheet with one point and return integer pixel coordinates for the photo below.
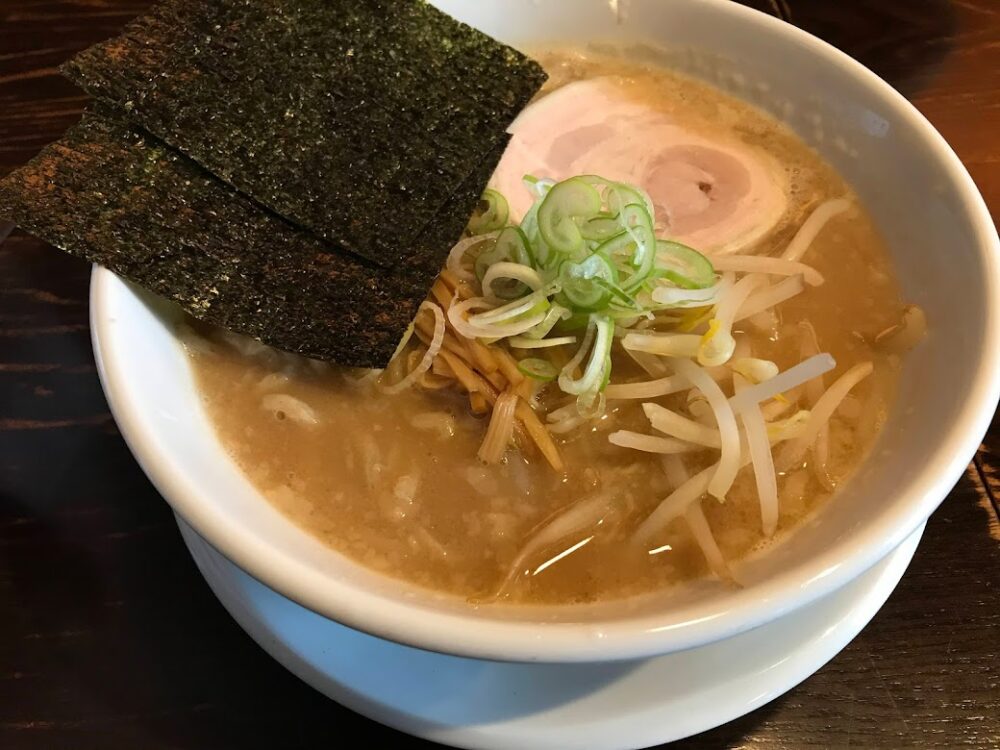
(352, 119)
(113, 195)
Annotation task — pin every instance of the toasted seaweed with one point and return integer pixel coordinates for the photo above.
(352, 119)
(113, 195)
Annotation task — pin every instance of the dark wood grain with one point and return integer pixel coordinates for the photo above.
(109, 638)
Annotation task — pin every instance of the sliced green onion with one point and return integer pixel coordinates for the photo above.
(507, 281)
(620, 195)
(541, 252)
(556, 313)
(523, 342)
(602, 334)
(491, 213)
(576, 321)
(600, 227)
(586, 285)
(534, 302)
(538, 186)
(515, 244)
(514, 325)
(585, 256)
(562, 206)
(618, 248)
(618, 295)
(638, 222)
(606, 378)
(684, 266)
(592, 403)
(466, 246)
(566, 374)
(628, 317)
(538, 369)
(511, 244)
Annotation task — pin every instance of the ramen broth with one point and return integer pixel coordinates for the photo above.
(393, 481)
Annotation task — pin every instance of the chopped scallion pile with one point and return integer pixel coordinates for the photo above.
(585, 260)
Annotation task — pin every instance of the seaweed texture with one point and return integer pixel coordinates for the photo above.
(113, 195)
(355, 120)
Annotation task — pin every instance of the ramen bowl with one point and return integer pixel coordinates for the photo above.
(944, 248)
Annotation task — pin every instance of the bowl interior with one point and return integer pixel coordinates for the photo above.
(944, 248)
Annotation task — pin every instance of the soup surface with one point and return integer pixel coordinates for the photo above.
(393, 480)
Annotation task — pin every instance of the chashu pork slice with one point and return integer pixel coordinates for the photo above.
(716, 194)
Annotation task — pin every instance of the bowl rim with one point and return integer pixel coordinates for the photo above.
(470, 634)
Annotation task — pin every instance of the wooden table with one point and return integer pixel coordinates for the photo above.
(109, 638)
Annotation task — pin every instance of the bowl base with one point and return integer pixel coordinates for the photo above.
(480, 704)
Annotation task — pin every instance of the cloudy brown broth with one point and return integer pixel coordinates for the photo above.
(393, 481)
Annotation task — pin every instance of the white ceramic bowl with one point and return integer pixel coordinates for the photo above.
(945, 250)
